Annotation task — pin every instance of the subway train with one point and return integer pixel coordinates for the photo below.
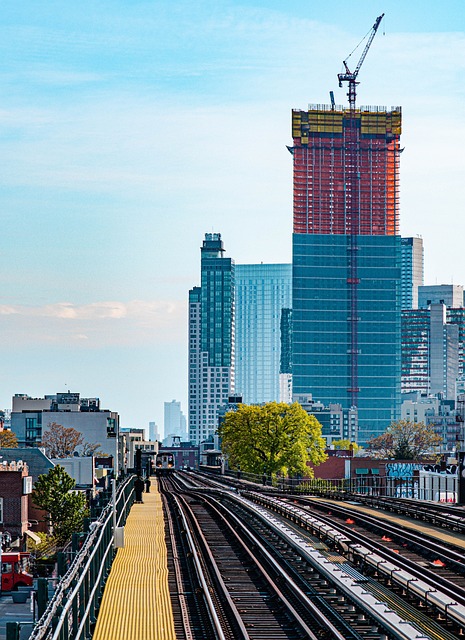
(164, 463)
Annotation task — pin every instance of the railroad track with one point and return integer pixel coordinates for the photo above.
(317, 587)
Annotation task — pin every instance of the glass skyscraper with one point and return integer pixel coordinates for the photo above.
(211, 339)
(262, 292)
(346, 261)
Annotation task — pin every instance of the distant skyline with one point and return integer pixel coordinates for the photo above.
(128, 130)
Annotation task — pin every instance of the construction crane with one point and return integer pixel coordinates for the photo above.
(351, 77)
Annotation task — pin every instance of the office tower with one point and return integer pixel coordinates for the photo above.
(412, 271)
(346, 261)
(449, 294)
(174, 423)
(262, 291)
(211, 339)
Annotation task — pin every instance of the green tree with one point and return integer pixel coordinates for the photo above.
(345, 445)
(271, 438)
(53, 492)
(405, 440)
(8, 439)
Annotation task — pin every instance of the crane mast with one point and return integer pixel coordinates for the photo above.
(350, 77)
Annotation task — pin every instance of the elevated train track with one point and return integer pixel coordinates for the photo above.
(360, 592)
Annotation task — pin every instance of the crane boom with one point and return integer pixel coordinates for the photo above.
(350, 77)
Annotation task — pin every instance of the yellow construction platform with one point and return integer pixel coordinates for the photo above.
(136, 602)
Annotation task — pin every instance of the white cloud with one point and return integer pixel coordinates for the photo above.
(94, 325)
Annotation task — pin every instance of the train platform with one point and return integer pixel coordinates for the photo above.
(434, 531)
(136, 601)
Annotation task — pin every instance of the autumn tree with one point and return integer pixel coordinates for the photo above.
(404, 440)
(60, 441)
(66, 509)
(271, 438)
(8, 439)
(92, 449)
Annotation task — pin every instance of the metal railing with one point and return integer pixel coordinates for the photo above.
(72, 611)
(437, 488)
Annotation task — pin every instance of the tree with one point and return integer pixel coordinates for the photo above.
(53, 492)
(8, 439)
(271, 438)
(404, 440)
(92, 449)
(60, 441)
(345, 445)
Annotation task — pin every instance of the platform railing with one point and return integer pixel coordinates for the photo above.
(72, 611)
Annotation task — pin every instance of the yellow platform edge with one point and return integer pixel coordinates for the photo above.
(136, 601)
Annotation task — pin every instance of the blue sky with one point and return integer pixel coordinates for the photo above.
(129, 129)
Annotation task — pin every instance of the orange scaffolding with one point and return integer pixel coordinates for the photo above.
(328, 152)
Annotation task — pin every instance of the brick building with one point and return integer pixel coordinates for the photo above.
(15, 487)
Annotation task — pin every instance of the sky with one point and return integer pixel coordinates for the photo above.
(129, 129)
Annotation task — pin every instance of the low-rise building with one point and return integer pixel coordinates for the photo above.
(15, 487)
(31, 417)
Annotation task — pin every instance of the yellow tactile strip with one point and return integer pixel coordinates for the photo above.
(136, 602)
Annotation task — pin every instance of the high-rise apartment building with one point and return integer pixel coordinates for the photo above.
(262, 292)
(211, 339)
(346, 261)
(285, 365)
(412, 271)
(433, 341)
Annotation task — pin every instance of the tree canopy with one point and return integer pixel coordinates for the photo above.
(345, 445)
(67, 509)
(271, 438)
(404, 440)
(60, 441)
(8, 439)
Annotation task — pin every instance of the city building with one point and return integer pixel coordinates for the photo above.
(336, 422)
(15, 488)
(211, 339)
(262, 292)
(432, 350)
(436, 412)
(412, 271)
(154, 434)
(285, 365)
(346, 295)
(174, 421)
(31, 417)
(451, 295)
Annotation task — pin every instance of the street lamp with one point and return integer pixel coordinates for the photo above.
(5, 539)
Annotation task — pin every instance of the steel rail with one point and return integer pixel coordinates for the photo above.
(314, 610)
(214, 618)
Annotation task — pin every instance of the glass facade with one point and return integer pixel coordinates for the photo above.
(323, 326)
(262, 292)
(411, 271)
(211, 339)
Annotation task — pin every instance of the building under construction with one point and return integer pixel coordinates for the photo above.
(325, 163)
(347, 257)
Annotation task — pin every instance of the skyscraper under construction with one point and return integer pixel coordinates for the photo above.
(347, 257)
